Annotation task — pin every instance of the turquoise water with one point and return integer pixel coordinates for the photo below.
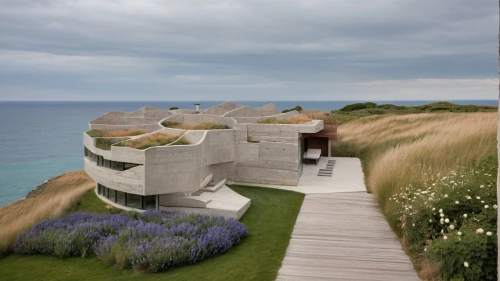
(39, 140)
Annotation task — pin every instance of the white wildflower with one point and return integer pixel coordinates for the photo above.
(459, 233)
(440, 210)
(478, 197)
(456, 202)
(446, 196)
(445, 237)
(480, 231)
(495, 206)
(465, 215)
(481, 186)
(466, 264)
(442, 215)
(452, 226)
(486, 206)
(489, 233)
(446, 220)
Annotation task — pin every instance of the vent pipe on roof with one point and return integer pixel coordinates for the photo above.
(197, 106)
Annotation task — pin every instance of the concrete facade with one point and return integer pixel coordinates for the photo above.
(179, 176)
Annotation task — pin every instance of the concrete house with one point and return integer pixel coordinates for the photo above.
(164, 159)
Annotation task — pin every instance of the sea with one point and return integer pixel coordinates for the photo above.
(40, 140)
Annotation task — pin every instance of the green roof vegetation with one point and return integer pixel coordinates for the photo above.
(198, 126)
(157, 139)
(106, 143)
(96, 133)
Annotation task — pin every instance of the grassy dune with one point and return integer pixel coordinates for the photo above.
(402, 150)
(53, 199)
(398, 149)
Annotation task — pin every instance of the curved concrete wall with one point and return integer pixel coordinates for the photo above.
(183, 168)
(277, 116)
(221, 109)
(130, 181)
(243, 112)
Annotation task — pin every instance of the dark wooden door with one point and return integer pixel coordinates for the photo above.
(318, 143)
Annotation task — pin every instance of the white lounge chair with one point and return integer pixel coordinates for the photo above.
(312, 155)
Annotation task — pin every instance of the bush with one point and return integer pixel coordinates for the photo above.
(297, 108)
(150, 242)
(452, 220)
(358, 106)
(173, 108)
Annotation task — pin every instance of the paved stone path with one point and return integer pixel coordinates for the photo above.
(344, 236)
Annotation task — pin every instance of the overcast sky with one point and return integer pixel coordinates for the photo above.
(248, 50)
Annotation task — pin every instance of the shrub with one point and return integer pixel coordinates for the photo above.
(150, 242)
(358, 106)
(170, 124)
(297, 108)
(173, 108)
(452, 219)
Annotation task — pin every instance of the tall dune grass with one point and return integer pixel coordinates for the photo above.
(398, 150)
(52, 200)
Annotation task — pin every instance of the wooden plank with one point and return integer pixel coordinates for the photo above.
(343, 236)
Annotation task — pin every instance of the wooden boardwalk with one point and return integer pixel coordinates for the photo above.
(344, 236)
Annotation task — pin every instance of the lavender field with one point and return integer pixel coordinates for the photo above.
(150, 242)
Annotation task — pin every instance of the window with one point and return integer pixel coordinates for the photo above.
(134, 201)
(149, 202)
(89, 154)
(127, 166)
(120, 198)
(112, 195)
(118, 166)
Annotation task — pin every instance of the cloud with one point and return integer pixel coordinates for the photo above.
(291, 48)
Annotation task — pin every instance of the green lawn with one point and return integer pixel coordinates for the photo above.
(269, 220)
